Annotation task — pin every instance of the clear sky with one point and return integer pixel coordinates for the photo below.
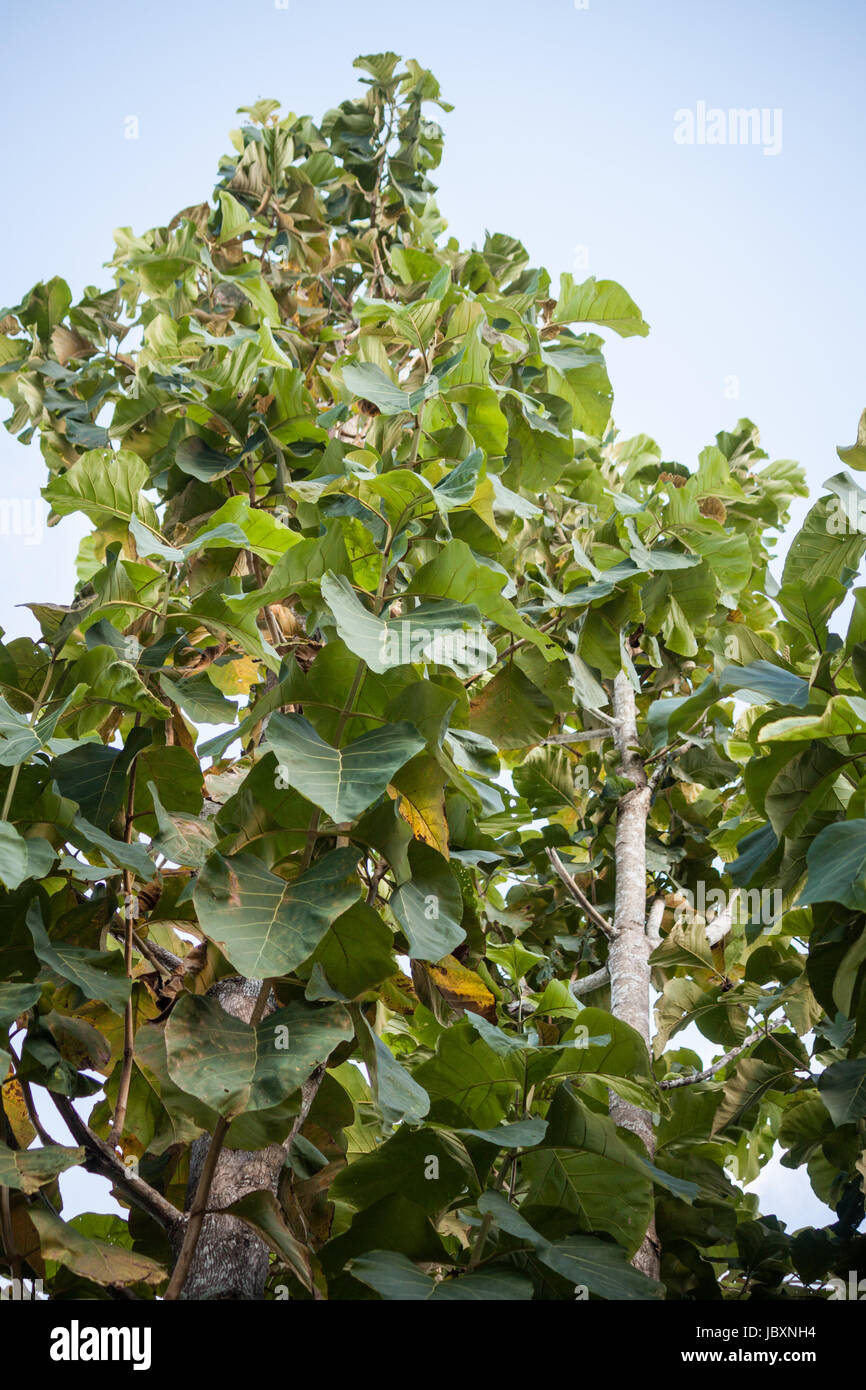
(745, 263)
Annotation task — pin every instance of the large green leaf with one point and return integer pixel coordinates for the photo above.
(186, 840)
(266, 925)
(95, 841)
(15, 999)
(467, 1081)
(262, 1211)
(399, 1096)
(546, 780)
(343, 781)
(356, 952)
(22, 858)
(196, 457)
(233, 1067)
(429, 906)
(30, 1169)
(429, 1167)
(456, 574)
(842, 715)
(97, 974)
(599, 301)
(441, 631)
(103, 484)
(842, 1088)
(761, 681)
(837, 866)
(512, 711)
(95, 775)
(815, 551)
(17, 738)
(751, 1081)
(117, 683)
(93, 1259)
(369, 382)
(600, 1267)
(392, 1275)
(572, 1126)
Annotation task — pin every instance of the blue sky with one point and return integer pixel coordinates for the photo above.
(745, 264)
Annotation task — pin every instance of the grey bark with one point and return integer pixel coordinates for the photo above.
(632, 942)
(231, 1261)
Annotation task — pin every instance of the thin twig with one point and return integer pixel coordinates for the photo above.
(375, 879)
(164, 962)
(129, 1016)
(480, 1240)
(608, 719)
(710, 1071)
(513, 647)
(578, 895)
(274, 628)
(29, 1102)
(579, 736)
(108, 1164)
(197, 1212)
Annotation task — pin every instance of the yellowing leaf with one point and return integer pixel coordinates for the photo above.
(15, 1109)
(460, 987)
(235, 677)
(94, 1259)
(420, 787)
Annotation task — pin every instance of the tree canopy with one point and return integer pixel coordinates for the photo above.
(336, 707)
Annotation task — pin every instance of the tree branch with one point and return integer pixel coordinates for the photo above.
(628, 959)
(580, 736)
(119, 1119)
(692, 1080)
(578, 895)
(654, 922)
(104, 1161)
(719, 926)
(198, 1210)
(309, 1091)
(32, 1112)
(590, 982)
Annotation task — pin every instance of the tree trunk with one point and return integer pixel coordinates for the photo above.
(630, 947)
(230, 1261)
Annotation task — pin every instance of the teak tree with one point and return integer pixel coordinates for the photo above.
(514, 733)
